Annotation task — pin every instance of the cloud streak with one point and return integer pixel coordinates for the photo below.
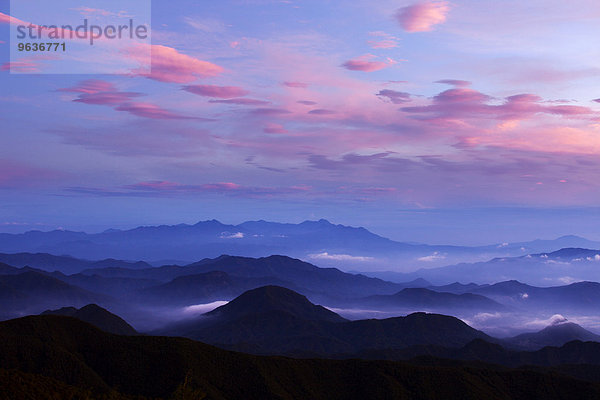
(221, 92)
(171, 66)
(364, 65)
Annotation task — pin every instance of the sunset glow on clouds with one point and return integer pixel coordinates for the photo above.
(315, 109)
(423, 16)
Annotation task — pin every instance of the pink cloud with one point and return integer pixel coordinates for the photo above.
(148, 110)
(460, 103)
(296, 84)
(7, 19)
(16, 174)
(88, 11)
(383, 44)
(422, 16)
(99, 92)
(274, 128)
(20, 66)
(221, 92)
(90, 86)
(169, 65)
(394, 96)
(106, 98)
(30, 64)
(364, 65)
(596, 100)
(386, 41)
(307, 102)
(241, 101)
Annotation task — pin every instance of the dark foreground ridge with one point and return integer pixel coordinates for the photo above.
(48, 357)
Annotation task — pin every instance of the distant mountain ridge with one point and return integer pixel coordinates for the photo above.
(320, 241)
(65, 264)
(564, 265)
(423, 298)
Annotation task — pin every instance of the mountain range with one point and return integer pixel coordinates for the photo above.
(137, 292)
(561, 266)
(276, 320)
(318, 241)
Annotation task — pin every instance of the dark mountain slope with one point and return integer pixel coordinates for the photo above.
(62, 355)
(32, 292)
(573, 353)
(203, 288)
(97, 316)
(42, 287)
(6, 269)
(274, 298)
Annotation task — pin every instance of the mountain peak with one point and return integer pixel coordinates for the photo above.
(322, 221)
(208, 222)
(556, 334)
(565, 237)
(274, 299)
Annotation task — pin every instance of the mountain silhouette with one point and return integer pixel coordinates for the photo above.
(32, 292)
(307, 240)
(97, 316)
(421, 298)
(269, 299)
(65, 264)
(553, 335)
(275, 320)
(543, 269)
(245, 273)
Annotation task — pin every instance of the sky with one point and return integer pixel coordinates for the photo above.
(463, 122)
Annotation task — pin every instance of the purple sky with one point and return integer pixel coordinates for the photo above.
(457, 122)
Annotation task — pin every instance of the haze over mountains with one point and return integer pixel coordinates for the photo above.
(151, 296)
(320, 242)
(562, 266)
(537, 308)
